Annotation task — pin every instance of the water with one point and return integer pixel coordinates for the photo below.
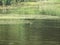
(38, 32)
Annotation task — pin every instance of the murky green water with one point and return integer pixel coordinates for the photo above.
(38, 32)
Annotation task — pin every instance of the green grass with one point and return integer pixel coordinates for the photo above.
(49, 9)
(24, 10)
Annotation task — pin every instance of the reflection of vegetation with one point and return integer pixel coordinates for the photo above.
(13, 33)
(44, 31)
(40, 30)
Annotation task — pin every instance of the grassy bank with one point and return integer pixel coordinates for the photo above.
(33, 8)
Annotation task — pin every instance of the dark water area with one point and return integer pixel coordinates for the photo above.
(37, 32)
